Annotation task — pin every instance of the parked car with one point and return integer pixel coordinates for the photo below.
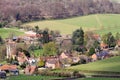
(3, 74)
(14, 72)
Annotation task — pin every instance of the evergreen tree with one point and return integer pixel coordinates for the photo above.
(36, 29)
(111, 40)
(45, 38)
(78, 39)
(104, 38)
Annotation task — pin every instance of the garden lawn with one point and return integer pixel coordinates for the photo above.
(38, 52)
(99, 23)
(111, 64)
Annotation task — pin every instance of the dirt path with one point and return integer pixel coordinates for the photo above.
(98, 20)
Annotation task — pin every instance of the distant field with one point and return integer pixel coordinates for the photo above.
(100, 23)
(116, 1)
(6, 32)
(111, 64)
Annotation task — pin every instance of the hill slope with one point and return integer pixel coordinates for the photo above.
(99, 23)
(111, 64)
(116, 1)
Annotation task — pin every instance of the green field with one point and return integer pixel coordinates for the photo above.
(100, 23)
(116, 1)
(7, 32)
(111, 64)
(25, 77)
(99, 79)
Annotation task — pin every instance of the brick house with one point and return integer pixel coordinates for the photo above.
(53, 63)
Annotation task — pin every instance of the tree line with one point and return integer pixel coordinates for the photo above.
(29, 10)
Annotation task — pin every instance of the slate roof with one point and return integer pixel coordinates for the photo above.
(102, 53)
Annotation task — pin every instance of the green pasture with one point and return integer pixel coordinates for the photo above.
(111, 64)
(100, 23)
(116, 0)
(7, 32)
(29, 77)
(99, 78)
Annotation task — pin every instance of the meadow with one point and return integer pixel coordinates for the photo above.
(29, 77)
(99, 79)
(116, 1)
(8, 32)
(111, 64)
(99, 23)
(24, 77)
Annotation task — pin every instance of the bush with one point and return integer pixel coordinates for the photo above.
(41, 63)
(91, 51)
(1, 40)
(0, 25)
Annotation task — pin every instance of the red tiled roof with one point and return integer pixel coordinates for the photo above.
(8, 67)
(96, 36)
(118, 42)
(103, 45)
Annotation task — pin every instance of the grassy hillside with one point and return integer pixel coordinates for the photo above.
(99, 23)
(6, 32)
(111, 64)
(99, 79)
(116, 1)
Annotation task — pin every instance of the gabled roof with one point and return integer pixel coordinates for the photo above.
(102, 53)
(102, 44)
(67, 54)
(118, 42)
(8, 67)
(52, 61)
(96, 36)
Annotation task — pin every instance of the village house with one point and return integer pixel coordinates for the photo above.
(94, 57)
(97, 37)
(103, 46)
(53, 63)
(64, 55)
(75, 59)
(8, 67)
(118, 43)
(100, 55)
(117, 47)
(66, 44)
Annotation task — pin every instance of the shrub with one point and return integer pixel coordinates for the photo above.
(91, 51)
(0, 25)
(41, 63)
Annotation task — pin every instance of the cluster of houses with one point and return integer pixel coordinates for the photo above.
(65, 59)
